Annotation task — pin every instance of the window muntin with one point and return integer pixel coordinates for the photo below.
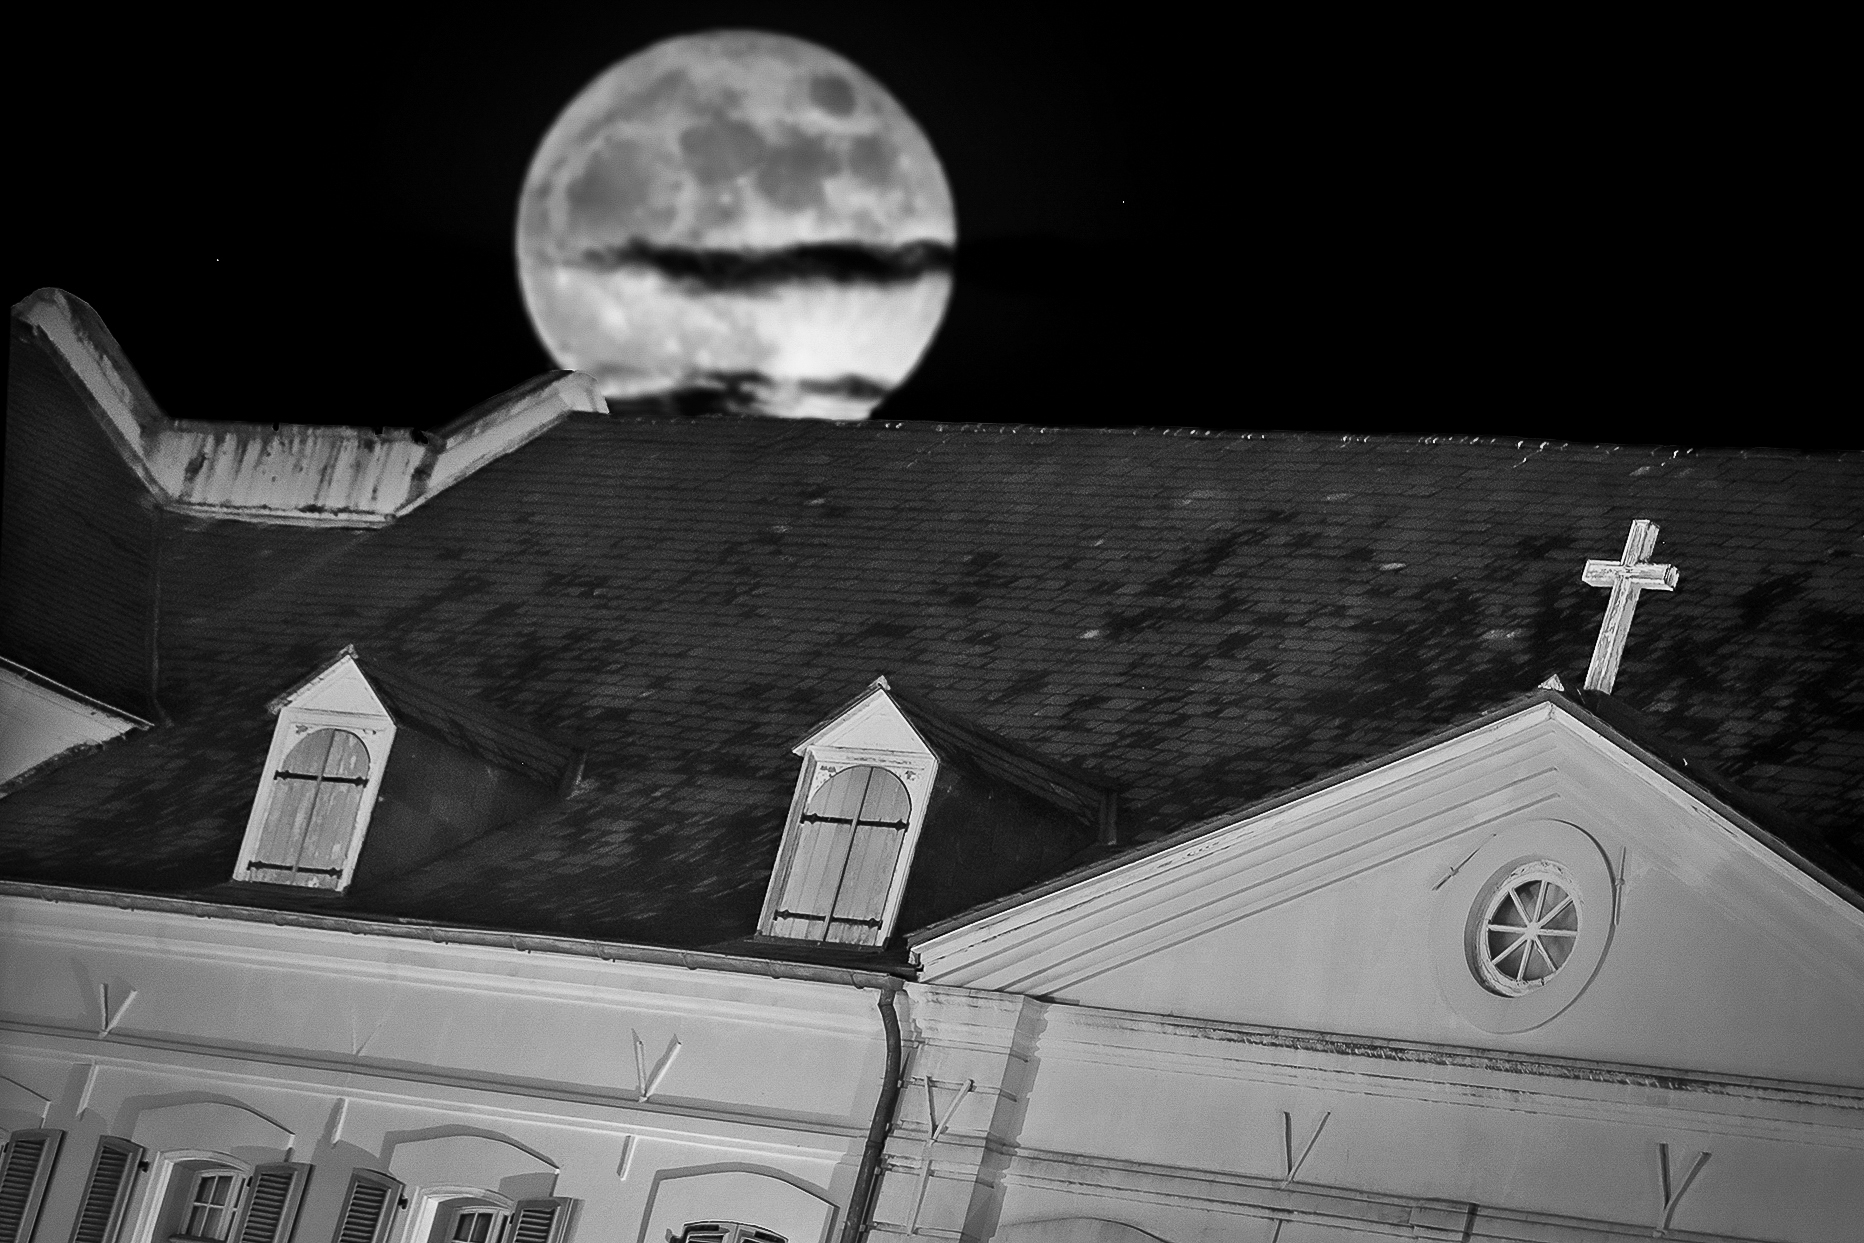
(210, 1204)
(728, 1232)
(1529, 927)
(848, 842)
(477, 1225)
(310, 820)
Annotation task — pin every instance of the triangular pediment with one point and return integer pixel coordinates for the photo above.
(339, 688)
(1352, 906)
(872, 722)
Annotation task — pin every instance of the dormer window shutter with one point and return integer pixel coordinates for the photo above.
(369, 1208)
(544, 1220)
(106, 1192)
(311, 818)
(24, 1173)
(272, 1203)
(848, 840)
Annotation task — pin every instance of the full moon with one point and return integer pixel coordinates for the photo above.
(738, 214)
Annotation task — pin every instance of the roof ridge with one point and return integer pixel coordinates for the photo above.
(1188, 431)
(289, 473)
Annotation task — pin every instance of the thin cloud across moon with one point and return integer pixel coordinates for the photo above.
(743, 214)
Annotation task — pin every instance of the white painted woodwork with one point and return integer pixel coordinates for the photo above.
(424, 1061)
(1628, 576)
(1344, 911)
(336, 697)
(294, 474)
(860, 873)
(40, 720)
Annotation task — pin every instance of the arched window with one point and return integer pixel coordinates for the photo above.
(208, 1204)
(475, 1223)
(310, 819)
(847, 842)
(728, 1232)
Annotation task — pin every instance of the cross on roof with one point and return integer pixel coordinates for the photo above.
(1629, 575)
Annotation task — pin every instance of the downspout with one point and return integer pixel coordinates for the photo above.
(867, 1180)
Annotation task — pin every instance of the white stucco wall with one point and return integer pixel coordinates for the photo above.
(1183, 1129)
(440, 1064)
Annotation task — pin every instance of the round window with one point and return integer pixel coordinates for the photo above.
(1528, 930)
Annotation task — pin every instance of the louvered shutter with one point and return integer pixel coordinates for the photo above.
(368, 1209)
(841, 872)
(540, 1221)
(272, 1203)
(316, 795)
(24, 1172)
(106, 1192)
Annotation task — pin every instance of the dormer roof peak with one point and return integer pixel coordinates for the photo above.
(457, 719)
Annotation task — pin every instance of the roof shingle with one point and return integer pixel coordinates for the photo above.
(1201, 619)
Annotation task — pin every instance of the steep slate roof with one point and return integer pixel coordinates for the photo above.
(461, 722)
(1202, 619)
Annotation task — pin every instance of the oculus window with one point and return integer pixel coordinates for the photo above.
(1528, 929)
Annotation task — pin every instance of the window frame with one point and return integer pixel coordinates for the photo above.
(377, 733)
(737, 1231)
(821, 763)
(190, 1201)
(501, 1221)
(430, 1205)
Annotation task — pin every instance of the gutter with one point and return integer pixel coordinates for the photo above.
(867, 1180)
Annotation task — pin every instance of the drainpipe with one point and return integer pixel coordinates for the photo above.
(867, 1180)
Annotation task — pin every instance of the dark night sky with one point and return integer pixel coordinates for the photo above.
(1506, 233)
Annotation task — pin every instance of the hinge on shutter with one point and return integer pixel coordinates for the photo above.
(286, 867)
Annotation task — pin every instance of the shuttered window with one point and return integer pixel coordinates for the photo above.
(368, 1209)
(213, 1198)
(728, 1232)
(24, 1172)
(540, 1221)
(841, 871)
(310, 820)
(106, 1191)
(477, 1225)
(272, 1203)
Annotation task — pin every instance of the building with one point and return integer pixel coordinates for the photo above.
(572, 826)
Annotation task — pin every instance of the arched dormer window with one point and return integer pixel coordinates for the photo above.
(318, 788)
(892, 785)
(847, 845)
(853, 824)
(310, 818)
(328, 776)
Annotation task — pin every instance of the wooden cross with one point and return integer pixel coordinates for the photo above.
(1630, 574)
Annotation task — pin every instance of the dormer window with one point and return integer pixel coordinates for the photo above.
(311, 817)
(848, 845)
(367, 752)
(312, 810)
(853, 823)
(893, 788)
